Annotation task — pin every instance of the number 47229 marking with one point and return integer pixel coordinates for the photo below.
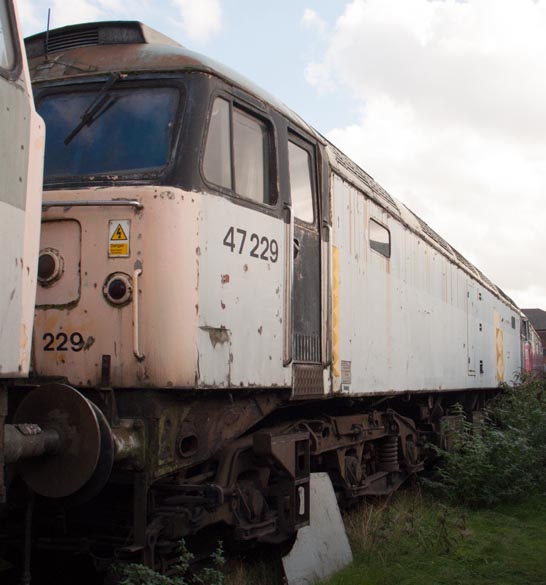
(262, 247)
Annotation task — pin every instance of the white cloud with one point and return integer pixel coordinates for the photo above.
(199, 19)
(29, 16)
(452, 121)
(312, 20)
(33, 13)
(64, 13)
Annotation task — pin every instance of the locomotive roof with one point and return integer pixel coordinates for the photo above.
(99, 48)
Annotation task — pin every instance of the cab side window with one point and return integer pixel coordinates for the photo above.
(300, 167)
(237, 152)
(217, 161)
(7, 48)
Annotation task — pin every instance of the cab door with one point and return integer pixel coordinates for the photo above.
(306, 274)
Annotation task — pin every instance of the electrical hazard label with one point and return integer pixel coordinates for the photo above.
(119, 232)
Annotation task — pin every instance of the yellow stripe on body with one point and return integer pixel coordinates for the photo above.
(335, 310)
(499, 347)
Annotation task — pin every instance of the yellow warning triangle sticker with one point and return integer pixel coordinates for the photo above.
(119, 234)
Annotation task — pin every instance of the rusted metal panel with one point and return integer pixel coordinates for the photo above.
(163, 243)
(308, 380)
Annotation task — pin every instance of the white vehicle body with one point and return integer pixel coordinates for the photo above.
(207, 316)
(421, 318)
(21, 163)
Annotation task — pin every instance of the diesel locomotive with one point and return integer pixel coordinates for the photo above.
(225, 304)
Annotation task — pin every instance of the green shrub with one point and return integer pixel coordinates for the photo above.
(502, 458)
(137, 574)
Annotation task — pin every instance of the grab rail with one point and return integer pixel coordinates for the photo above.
(136, 339)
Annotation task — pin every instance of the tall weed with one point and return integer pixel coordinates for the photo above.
(502, 458)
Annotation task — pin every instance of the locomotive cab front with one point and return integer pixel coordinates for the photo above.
(163, 246)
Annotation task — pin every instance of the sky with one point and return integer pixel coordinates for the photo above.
(443, 102)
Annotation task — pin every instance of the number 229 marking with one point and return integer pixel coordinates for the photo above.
(262, 248)
(76, 341)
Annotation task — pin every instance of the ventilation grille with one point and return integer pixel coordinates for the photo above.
(71, 39)
(306, 348)
(91, 35)
(354, 169)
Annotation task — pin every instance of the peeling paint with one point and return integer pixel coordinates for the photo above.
(88, 343)
(217, 335)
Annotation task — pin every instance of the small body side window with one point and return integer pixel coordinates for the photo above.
(7, 47)
(380, 238)
(237, 153)
(299, 160)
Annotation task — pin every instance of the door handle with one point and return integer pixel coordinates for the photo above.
(296, 247)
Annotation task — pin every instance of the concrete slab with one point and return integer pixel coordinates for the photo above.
(322, 548)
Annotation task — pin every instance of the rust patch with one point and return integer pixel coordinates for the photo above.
(217, 335)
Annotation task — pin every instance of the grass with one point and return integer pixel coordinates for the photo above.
(250, 571)
(417, 540)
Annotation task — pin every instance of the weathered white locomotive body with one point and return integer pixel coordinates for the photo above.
(414, 315)
(226, 304)
(205, 317)
(219, 277)
(213, 314)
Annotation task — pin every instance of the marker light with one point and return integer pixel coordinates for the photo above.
(50, 266)
(118, 289)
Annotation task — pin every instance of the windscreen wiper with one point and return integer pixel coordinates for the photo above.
(102, 102)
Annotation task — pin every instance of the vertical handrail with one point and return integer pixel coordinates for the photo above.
(288, 272)
(326, 276)
(136, 338)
